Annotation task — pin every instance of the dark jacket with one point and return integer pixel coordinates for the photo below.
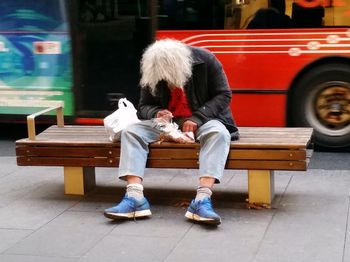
(207, 92)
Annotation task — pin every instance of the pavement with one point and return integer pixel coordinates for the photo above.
(308, 221)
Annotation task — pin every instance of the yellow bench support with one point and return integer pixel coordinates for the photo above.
(260, 187)
(79, 180)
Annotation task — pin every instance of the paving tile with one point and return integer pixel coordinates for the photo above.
(8, 165)
(310, 222)
(70, 235)
(107, 176)
(326, 161)
(160, 176)
(346, 256)
(37, 207)
(317, 188)
(97, 202)
(131, 248)
(239, 186)
(9, 237)
(240, 214)
(25, 180)
(21, 258)
(8, 148)
(107, 180)
(165, 222)
(317, 184)
(316, 242)
(231, 241)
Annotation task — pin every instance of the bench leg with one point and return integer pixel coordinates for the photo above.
(261, 188)
(79, 180)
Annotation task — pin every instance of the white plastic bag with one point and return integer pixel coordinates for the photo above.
(120, 119)
(171, 132)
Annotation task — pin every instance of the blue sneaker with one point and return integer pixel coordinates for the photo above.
(129, 207)
(202, 211)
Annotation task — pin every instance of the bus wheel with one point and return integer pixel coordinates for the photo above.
(322, 100)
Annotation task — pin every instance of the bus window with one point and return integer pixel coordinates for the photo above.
(110, 36)
(253, 14)
(191, 14)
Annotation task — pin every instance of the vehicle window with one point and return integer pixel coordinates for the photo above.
(253, 14)
(36, 15)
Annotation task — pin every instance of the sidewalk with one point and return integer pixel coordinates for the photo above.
(308, 221)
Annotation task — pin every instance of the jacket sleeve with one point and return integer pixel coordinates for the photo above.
(219, 93)
(148, 106)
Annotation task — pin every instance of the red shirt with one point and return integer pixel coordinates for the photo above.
(178, 104)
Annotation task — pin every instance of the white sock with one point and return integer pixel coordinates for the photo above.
(203, 192)
(135, 191)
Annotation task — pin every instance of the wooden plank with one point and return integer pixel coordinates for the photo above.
(65, 142)
(95, 136)
(69, 161)
(252, 154)
(71, 141)
(261, 133)
(250, 137)
(55, 151)
(244, 131)
(159, 163)
(157, 152)
(289, 130)
(235, 164)
(267, 145)
(266, 154)
(268, 165)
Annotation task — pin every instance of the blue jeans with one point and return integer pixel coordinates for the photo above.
(213, 136)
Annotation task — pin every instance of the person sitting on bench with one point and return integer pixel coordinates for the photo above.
(188, 85)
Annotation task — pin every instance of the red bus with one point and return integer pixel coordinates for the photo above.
(290, 68)
(287, 61)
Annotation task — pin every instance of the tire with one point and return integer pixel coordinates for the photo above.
(321, 99)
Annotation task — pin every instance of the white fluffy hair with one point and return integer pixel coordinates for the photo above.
(169, 60)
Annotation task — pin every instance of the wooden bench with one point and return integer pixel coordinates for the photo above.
(80, 149)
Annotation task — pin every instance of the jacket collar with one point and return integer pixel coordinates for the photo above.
(196, 60)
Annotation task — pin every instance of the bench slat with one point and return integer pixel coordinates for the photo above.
(250, 137)
(160, 153)
(232, 164)
(267, 154)
(68, 161)
(159, 163)
(36, 151)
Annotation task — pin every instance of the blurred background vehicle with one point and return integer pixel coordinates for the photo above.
(287, 61)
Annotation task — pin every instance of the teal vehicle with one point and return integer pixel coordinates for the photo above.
(82, 53)
(35, 57)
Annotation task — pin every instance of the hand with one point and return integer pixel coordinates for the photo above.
(164, 114)
(189, 126)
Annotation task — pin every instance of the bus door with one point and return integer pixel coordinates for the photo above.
(108, 38)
